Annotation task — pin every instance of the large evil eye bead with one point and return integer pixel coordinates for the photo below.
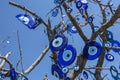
(71, 28)
(67, 56)
(56, 71)
(109, 36)
(109, 57)
(114, 72)
(58, 43)
(78, 4)
(85, 74)
(26, 20)
(92, 50)
(115, 43)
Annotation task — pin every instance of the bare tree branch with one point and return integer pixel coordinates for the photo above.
(108, 24)
(6, 60)
(29, 11)
(3, 62)
(37, 60)
(72, 19)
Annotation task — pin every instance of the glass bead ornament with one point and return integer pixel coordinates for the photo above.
(114, 72)
(96, 28)
(67, 78)
(85, 74)
(58, 43)
(58, 1)
(78, 4)
(2, 76)
(76, 67)
(116, 43)
(109, 36)
(92, 50)
(81, 79)
(13, 74)
(67, 56)
(65, 70)
(98, 0)
(85, 6)
(27, 20)
(57, 72)
(69, 10)
(71, 28)
(81, 10)
(90, 19)
(55, 12)
(109, 57)
(84, 1)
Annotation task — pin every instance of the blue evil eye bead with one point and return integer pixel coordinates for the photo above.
(78, 4)
(2, 75)
(85, 74)
(38, 20)
(58, 1)
(77, 18)
(98, 0)
(58, 43)
(81, 10)
(108, 44)
(109, 57)
(67, 56)
(65, 70)
(13, 74)
(81, 79)
(26, 20)
(55, 12)
(67, 78)
(92, 50)
(76, 67)
(96, 28)
(71, 28)
(69, 10)
(56, 71)
(114, 72)
(90, 19)
(84, 1)
(85, 6)
(109, 36)
(115, 43)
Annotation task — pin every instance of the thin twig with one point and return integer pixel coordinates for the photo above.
(20, 51)
(3, 62)
(6, 60)
(37, 60)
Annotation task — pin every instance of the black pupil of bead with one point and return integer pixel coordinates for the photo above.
(56, 42)
(93, 50)
(110, 56)
(68, 55)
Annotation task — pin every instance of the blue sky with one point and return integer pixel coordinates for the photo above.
(33, 42)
